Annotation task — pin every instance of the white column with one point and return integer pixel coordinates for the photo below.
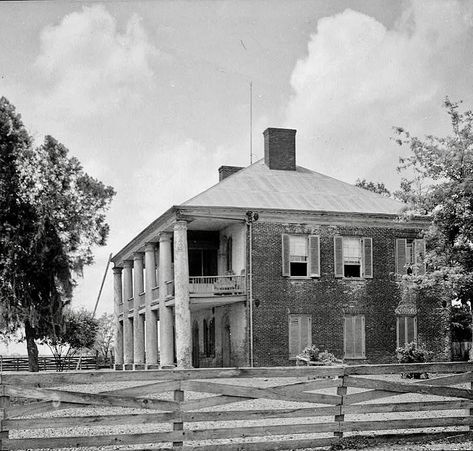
(138, 320)
(118, 307)
(181, 286)
(166, 334)
(150, 316)
(127, 322)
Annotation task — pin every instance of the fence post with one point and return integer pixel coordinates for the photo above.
(178, 425)
(4, 405)
(340, 418)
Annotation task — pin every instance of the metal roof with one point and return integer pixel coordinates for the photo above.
(257, 186)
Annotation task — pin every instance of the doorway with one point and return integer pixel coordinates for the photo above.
(195, 345)
(226, 343)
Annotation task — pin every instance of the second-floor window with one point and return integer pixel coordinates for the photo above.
(410, 255)
(300, 255)
(353, 257)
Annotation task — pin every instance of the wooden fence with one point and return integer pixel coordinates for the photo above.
(48, 363)
(231, 409)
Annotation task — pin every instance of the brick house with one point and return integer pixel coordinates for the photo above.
(271, 259)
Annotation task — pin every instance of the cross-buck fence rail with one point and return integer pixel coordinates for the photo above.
(231, 409)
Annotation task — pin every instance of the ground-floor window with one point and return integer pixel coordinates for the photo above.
(354, 337)
(300, 334)
(406, 329)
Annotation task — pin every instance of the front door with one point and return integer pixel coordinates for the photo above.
(226, 343)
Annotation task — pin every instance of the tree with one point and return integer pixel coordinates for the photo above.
(53, 213)
(375, 187)
(439, 183)
(77, 332)
(105, 335)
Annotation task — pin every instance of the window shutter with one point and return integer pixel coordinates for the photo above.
(338, 255)
(314, 255)
(419, 256)
(285, 255)
(349, 338)
(367, 257)
(294, 335)
(401, 244)
(359, 336)
(410, 321)
(306, 332)
(401, 331)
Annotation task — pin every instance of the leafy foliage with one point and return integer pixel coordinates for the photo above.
(105, 336)
(439, 182)
(460, 323)
(312, 354)
(413, 353)
(51, 215)
(78, 331)
(375, 187)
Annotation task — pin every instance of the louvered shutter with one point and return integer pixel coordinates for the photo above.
(410, 329)
(314, 256)
(401, 331)
(294, 335)
(367, 257)
(349, 337)
(338, 255)
(359, 327)
(285, 256)
(419, 256)
(306, 332)
(401, 245)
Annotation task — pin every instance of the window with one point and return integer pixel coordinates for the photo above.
(300, 255)
(406, 329)
(410, 255)
(300, 334)
(354, 337)
(353, 257)
(229, 252)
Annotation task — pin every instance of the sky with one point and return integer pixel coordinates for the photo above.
(153, 96)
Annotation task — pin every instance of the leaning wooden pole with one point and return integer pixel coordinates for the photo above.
(97, 302)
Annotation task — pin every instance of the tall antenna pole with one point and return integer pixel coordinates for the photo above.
(251, 122)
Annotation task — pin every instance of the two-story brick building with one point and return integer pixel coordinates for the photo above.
(272, 258)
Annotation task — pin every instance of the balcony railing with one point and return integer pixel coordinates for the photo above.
(169, 288)
(217, 285)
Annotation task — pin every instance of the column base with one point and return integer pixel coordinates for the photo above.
(152, 366)
(138, 366)
(118, 366)
(128, 366)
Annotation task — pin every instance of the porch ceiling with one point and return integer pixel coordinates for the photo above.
(202, 303)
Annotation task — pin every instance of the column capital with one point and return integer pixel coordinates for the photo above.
(150, 247)
(128, 264)
(138, 256)
(165, 236)
(180, 225)
(117, 269)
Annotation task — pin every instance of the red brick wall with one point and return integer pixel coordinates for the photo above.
(327, 298)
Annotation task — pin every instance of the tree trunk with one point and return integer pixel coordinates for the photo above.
(31, 348)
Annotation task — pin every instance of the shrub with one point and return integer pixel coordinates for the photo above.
(413, 353)
(312, 354)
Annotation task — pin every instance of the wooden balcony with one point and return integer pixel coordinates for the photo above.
(205, 286)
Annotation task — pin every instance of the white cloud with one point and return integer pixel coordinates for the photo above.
(89, 67)
(359, 79)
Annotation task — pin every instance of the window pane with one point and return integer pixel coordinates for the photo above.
(351, 250)
(298, 269)
(298, 248)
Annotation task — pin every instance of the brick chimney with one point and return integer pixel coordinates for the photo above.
(227, 171)
(280, 148)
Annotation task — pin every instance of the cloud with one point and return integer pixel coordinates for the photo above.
(89, 67)
(359, 79)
